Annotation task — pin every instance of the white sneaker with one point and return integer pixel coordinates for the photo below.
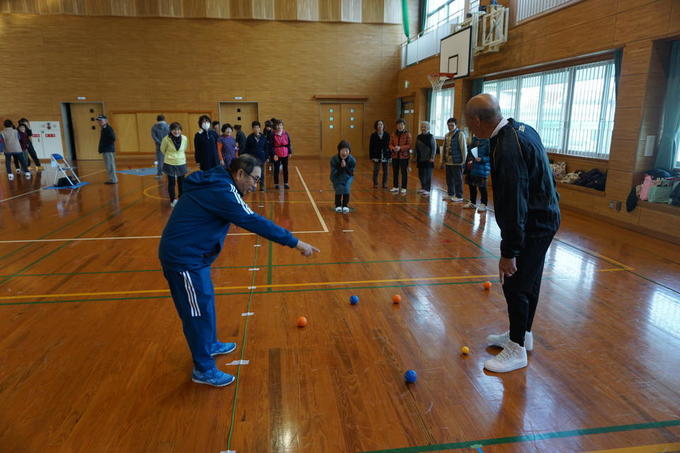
(338, 209)
(512, 357)
(394, 189)
(403, 191)
(173, 203)
(469, 205)
(481, 208)
(27, 175)
(456, 199)
(425, 193)
(420, 191)
(10, 176)
(18, 171)
(501, 339)
(345, 210)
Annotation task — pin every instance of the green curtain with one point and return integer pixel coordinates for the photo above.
(423, 15)
(618, 56)
(669, 144)
(405, 19)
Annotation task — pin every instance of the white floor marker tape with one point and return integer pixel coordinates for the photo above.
(250, 313)
(252, 287)
(347, 231)
(257, 245)
(254, 269)
(239, 362)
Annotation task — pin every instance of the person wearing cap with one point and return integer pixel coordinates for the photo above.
(107, 148)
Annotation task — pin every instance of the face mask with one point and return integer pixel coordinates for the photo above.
(206, 126)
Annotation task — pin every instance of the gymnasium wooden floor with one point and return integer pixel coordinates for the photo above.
(93, 358)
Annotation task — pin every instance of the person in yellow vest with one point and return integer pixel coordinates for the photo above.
(173, 148)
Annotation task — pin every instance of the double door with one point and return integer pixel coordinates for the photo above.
(342, 122)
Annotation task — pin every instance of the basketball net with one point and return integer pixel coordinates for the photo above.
(438, 79)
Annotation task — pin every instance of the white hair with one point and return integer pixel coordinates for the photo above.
(426, 123)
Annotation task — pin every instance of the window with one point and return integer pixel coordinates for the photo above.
(571, 108)
(527, 9)
(439, 11)
(441, 109)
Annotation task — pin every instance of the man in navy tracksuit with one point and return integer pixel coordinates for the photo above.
(528, 215)
(192, 239)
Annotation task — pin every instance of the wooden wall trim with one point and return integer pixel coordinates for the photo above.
(557, 64)
(339, 97)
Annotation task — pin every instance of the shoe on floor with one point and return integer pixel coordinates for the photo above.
(425, 193)
(27, 175)
(10, 176)
(420, 191)
(456, 199)
(338, 209)
(469, 205)
(18, 171)
(286, 186)
(512, 357)
(173, 203)
(403, 191)
(394, 189)
(481, 208)
(221, 348)
(213, 377)
(276, 186)
(501, 339)
(345, 210)
(111, 182)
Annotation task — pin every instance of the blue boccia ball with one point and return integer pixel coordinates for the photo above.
(354, 300)
(410, 376)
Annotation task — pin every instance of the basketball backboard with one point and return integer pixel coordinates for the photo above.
(455, 53)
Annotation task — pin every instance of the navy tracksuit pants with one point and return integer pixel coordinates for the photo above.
(194, 297)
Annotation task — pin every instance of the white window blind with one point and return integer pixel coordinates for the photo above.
(527, 9)
(441, 109)
(571, 108)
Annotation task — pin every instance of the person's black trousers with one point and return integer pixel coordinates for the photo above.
(376, 170)
(283, 161)
(522, 289)
(171, 186)
(400, 166)
(454, 180)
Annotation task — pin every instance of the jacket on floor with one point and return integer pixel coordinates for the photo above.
(524, 195)
(195, 232)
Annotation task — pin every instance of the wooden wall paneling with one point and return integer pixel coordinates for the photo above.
(199, 8)
(636, 58)
(76, 7)
(124, 8)
(98, 7)
(330, 10)
(619, 184)
(167, 8)
(285, 9)
(241, 9)
(144, 121)
(152, 9)
(674, 21)
(50, 7)
(373, 11)
(263, 9)
(631, 91)
(621, 154)
(20, 6)
(643, 21)
(352, 10)
(182, 118)
(127, 132)
(392, 12)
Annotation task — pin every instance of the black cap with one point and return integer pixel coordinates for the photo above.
(102, 117)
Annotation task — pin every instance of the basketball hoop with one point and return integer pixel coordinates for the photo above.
(438, 79)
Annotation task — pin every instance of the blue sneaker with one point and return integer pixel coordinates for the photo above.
(213, 377)
(221, 348)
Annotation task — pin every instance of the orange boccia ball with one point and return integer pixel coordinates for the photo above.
(487, 285)
(396, 299)
(301, 321)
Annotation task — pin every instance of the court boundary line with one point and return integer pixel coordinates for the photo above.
(316, 209)
(416, 281)
(532, 437)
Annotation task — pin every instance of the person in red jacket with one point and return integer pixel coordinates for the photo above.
(400, 145)
(281, 149)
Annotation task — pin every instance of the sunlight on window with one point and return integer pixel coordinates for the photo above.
(441, 109)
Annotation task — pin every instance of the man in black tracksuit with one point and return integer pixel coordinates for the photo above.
(528, 214)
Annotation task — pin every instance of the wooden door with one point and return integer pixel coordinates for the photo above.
(352, 121)
(331, 128)
(239, 113)
(86, 132)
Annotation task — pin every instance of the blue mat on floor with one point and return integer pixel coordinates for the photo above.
(66, 187)
(139, 171)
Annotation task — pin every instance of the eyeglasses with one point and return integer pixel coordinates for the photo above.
(256, 179)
